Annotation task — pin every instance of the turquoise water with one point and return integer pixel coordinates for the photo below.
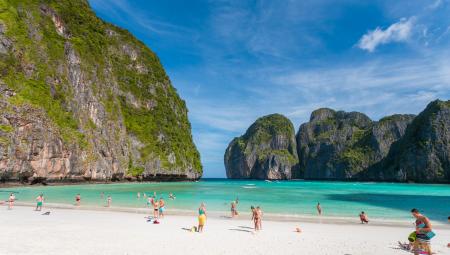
(379, 200)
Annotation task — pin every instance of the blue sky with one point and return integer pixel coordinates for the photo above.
(234, 61)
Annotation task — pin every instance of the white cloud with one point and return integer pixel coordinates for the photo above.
(397, 32)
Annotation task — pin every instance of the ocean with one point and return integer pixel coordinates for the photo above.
(388, 201)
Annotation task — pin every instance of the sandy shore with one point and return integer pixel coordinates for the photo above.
(66, 231)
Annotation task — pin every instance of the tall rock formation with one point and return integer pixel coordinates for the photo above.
(324, 139)
(82, 99)
(423, 153)
(266, 151)
(340, 145)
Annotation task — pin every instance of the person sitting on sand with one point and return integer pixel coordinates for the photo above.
(108, 201)
(11, 200)
(162, 207)
(363, 218)
(201, 217)
(424, 232)
(78, 199)
(319, 209)
(155, 209)
(254, 217)
(39, 202)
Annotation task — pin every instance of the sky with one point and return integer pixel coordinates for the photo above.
(235, 61)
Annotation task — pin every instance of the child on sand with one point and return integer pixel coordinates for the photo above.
(201, 217)
(363, 218)
(11, 200)
(39, 202)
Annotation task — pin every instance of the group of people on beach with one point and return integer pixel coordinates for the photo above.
(419, 240)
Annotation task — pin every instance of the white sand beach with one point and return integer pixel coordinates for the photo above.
(72, 231)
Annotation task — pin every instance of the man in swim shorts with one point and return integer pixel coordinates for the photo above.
(39, 202)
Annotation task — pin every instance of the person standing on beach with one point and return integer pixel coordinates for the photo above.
(39, 202)
(108, 201)
(254, 217)
(78, 199)
(448, 245)
(258, 218)
(201, 217)
(149, 201)
(162, 207)
(424, 232)
(363, 218)
(233, 209)
(11, 200)
(319, 209)
(138, 196)
(155, 208)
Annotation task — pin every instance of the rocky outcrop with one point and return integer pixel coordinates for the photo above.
(323, 141)
(84, 100)
(340, 145)
(266, 151)
(423, 153)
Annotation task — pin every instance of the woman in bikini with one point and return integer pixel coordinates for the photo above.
(258, 218)
(201, 217)
(424, 232)
(162, 207)
(11, 200)
(155, 209)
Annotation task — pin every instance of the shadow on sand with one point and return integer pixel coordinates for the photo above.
(435, 207)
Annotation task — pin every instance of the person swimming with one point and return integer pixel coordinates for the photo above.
(363, 218)
(138, 195)
(201, 217)
(172, 196)
(39, 202)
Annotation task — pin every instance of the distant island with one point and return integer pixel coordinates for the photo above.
(83, 100)
(346, 146)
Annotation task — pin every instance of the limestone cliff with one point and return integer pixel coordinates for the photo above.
(82, 99)
(266, 151)
(423, 153)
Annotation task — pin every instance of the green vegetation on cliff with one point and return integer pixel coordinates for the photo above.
(58, 48)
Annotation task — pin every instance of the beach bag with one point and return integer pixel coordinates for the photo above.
(412, 237)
